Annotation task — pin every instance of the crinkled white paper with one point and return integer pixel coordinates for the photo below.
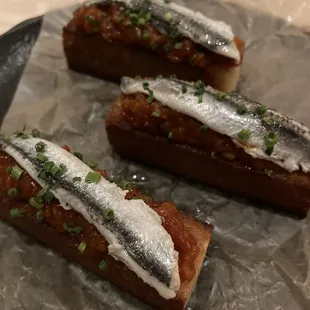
(258, 258)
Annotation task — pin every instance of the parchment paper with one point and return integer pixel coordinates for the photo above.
(258, 258)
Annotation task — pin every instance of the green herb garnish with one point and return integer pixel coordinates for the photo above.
(77, 179)
(82, 247)
(241, 109)
(55, 170)
(78, 155)
(156, 114)
(220, 95)
(40, 147)
(150, 98)
(204, 128)
(93, 164)
(12, 192)
(36, 133)
(15, 213)
(48, 165)
(213, 155)
(261, 109)
(21, 134)
(200, 89)
(74, 230)
(103, 266)
(184, 89)
(93, 177)
(108, 214)
(268, 121)
(16, 172)
(35, 203)
(244, 134)
(41, 157)
(145, 35)
(268, 172)
(145, 85)
(271, 139)
(44, 195)
(170, 134)
(39, 215)
(168, 17)
(178, 45)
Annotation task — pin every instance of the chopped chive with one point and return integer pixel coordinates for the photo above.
(148, 16)
(74, 230)
(93, 164)
(168, 17)
(150, 98)
(78, 155)
(213, 155)
(146, 36)
(146, 85)
(39, 215)
(184, 89)
(93, 177)
(170, 135)
(15, 213)
(139, 33)
(46, 195)
(63, 168)
(156, 114)
(178, 45)
(241, 109)
(159, 76)
(35, 203)
(271, 139)
(108, 214)
(268, 121)
(244, 134)
(200, 99)
(166, 1)
(41, 157)
(77, 179)
(268, 172)
(56, 170)
(9, 169)
(204, 128)
(40, 147)
(261, 109)
(82, 247)
(141, 21)
(36, 133)
(12, 192)
(103, 266)
(269, 150)
(48, 165)
(123, 185)
(16, 172)
(20, 134)
(220, 95)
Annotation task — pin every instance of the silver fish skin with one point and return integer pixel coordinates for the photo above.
(219, 112)
(214, 35)
(135, 234)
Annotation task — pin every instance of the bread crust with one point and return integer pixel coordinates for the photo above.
(117, 273)
(90, 54)
(283, 190)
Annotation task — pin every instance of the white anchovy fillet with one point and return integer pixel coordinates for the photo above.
(219, 112)
(215, 36)
(135, 234)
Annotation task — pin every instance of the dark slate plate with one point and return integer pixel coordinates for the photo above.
(15, 49)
